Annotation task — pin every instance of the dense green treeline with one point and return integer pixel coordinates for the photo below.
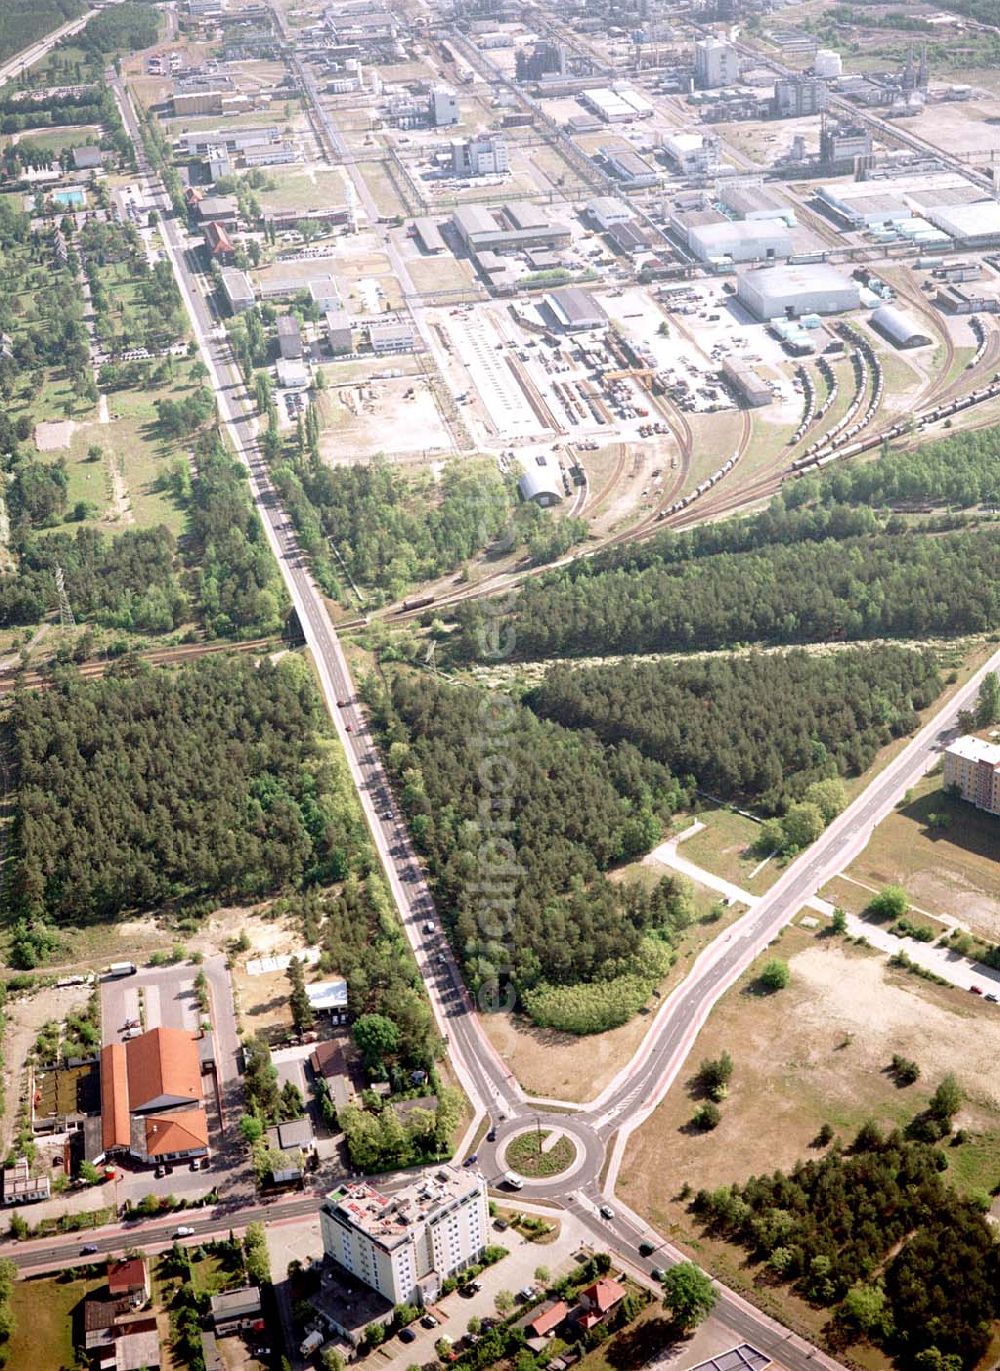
(237, 582)
(135, 580)
(878, 1236)
(390, 530)
(23, 22)
(885, 586)
(124, 582)
(574, 808)
(120, 28)
(764, 727)
(776, 525)
(155, 785)
(962, 469)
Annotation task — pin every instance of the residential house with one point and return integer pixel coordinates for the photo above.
(598, 1300)
(128, 1278)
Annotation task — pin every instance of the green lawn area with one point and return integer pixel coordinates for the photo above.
(947, 869)
(296, 190)
(529, 1156)
(55, 139)
(44, 1312)
(130, 446)
(724, 847)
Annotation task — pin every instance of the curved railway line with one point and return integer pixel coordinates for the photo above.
(717, 496)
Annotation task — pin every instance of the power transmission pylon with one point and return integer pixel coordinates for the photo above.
(66, 619)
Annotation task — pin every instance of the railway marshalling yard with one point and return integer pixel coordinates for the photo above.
(667, 369)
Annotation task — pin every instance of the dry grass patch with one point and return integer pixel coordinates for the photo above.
(952, 870)
(815, 1053)
(812, 1054)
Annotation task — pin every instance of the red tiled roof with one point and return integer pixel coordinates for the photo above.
(549, 1319)
(603, 1294)
(163, 1061)
(114, 1098)
(126, 1273)
(217, 238)
(166, 1134)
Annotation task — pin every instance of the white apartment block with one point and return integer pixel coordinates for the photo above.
(973, 767)
(406, 1244)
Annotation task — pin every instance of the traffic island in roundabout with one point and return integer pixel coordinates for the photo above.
(539, 1154)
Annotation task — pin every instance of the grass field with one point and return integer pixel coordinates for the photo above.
(814, 1053)
(46, 1311)
(302, 190)
(952, 870)
(440, 273)
(55, 139)
(725, 847)
(123, 486)
(382, 188)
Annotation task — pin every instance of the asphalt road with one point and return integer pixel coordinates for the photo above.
(30, 55)
(630, 1098)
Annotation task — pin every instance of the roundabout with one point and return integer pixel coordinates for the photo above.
(539, 1154)
(549, 1153)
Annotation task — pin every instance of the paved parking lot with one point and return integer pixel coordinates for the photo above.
(167, 998)
(516, 1270)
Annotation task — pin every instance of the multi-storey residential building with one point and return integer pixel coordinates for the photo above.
(973, 767)
(406, 1244)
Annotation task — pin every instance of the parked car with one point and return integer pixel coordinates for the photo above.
(428, 1321)
(992, 999)
(407, 1335)
(975, 990)
(526, 1292)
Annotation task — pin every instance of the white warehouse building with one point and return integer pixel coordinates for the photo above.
(405, 1245)
(541, 481)
(901, 329)
(792, 291)
(751, 240)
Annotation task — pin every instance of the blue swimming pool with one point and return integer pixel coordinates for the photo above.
(71, 199)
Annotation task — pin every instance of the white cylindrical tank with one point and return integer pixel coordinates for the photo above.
(828, 63)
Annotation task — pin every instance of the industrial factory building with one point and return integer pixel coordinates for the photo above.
(757, 240)
(793, 291)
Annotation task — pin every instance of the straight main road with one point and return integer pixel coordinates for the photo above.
(29, 56)
(630, 1098)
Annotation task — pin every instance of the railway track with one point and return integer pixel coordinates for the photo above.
(167, 656)
(719, 498)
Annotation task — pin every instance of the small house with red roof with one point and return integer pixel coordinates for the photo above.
(128, 1278)
(598, 1300)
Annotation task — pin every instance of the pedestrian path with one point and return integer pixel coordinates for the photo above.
(951, 966)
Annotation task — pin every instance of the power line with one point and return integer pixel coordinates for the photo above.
(66, 619)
